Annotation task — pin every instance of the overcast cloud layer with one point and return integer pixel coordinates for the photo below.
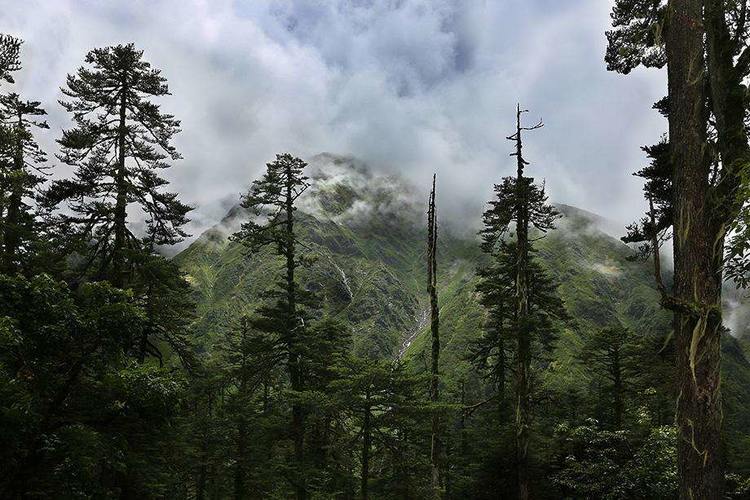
(410, 86)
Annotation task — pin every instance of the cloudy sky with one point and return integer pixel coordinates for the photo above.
(410, 86)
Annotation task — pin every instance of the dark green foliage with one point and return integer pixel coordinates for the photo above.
(77, 397)
(303, 367)
(165, 296)
(21, 167)
(387, 410)
(637, 37)
(598, 463)
(493, 351)
(526, 311)
(613, 357)
(598, 285)
(504, 210)
(655, 227)
(271, 204)
(22, 171)
(270, 196)
(120, 142)
(10, 57)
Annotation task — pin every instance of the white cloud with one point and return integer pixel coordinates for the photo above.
(411, 86)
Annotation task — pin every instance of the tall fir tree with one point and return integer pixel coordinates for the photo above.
(120, 142)
(10, 62)
(272, 201)
(240, 369)
(524, 204)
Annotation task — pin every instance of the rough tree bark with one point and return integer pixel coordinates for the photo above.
(698, 248)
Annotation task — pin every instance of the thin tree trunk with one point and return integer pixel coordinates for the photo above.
(697, 257)
(618, 406)
(523, 355)
(435, 450)
(240, 492)
(12, 236)
(203, 468)
(121, 203)
(143, 344)
(366, 446)
(298, 418)
(240, 488)
(462, 423)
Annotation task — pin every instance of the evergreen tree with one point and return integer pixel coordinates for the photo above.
(522, 203)
(492, 351)
(384, 404)
(119, 144)
(273, 197)
(612, 355)
(169, 308)
(654, 229)
(607, 464)
(240, 371)
(23, 171)
(78, 413)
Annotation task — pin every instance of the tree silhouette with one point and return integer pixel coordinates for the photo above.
(120, 142)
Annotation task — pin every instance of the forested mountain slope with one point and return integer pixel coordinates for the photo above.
(367, 236)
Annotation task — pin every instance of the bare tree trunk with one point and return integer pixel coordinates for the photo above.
(435, 451)
(698, 249)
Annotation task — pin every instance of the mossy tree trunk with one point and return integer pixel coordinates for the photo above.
(698, 252)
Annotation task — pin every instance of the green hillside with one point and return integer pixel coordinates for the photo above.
(367, 238)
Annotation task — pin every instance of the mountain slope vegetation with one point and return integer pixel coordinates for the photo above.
(366, 234)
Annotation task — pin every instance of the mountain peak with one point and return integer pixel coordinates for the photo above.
(346, 190)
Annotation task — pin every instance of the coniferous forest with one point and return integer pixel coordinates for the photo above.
(338, 335)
